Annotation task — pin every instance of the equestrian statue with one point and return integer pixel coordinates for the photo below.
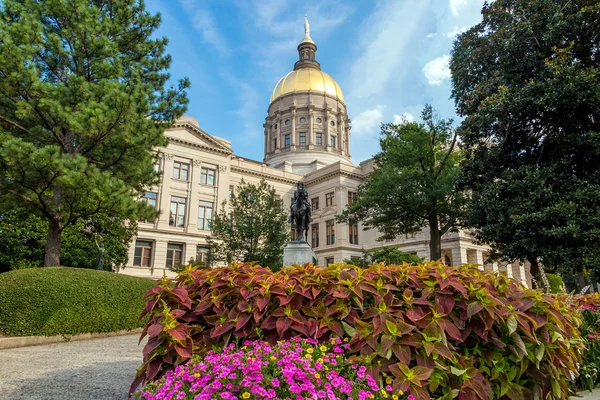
(301, 212)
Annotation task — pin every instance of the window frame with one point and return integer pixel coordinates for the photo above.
(353, 233)
(178, 206)
(302, 138)
(205, 206)
(287, 140)
(332, 141)
(330, 232)
(314, 235)
(174, 251)
(352, 196)
(206, 173)
(319, 139)
(203, 255)
(179, 167)
(149, 248)
(314, 202)
(329, 199)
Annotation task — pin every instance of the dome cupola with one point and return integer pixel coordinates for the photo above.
(307, 126)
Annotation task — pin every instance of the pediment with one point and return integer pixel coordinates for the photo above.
(187, 133)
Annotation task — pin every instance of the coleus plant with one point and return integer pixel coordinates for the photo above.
(441, 332)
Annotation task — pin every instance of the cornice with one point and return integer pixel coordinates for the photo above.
(198, 146)
(266, 176)
(337, 172)
(220, 148)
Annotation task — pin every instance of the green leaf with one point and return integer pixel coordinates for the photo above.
(350, 331)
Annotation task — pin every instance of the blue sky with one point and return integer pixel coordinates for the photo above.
(389, 57)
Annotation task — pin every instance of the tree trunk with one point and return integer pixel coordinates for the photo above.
(435, 238)
(534, 270)
(52, 251)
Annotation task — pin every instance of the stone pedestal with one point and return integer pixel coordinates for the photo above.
(298, 253)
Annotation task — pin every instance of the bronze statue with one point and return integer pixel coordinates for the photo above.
(301, 212)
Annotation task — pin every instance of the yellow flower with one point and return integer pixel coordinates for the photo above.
(320, 360)
(317, 376)
(246, 395)
(323, 348)
(400, 392)
(332, 340)
(273, 358)
(389, 380)
(308, 355)
(309, 350)
(197, 375)
(345, 339)
(394, 397)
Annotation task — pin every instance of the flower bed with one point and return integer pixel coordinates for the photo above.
(440, 331)
(296, 369)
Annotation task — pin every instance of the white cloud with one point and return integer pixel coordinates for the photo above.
(406, 117)
(431, 35)
(387, 35)
(437, 70)
(368, 121)
(205, 23)
(457, 31)
(455, 4)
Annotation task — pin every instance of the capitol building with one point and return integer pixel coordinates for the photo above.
(306, 138)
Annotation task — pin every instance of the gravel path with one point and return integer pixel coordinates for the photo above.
(100, 369)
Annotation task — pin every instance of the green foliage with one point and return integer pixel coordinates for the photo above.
(441, 332)
(177, 268)
(22, 238)
(389, 255)
(54, 301)
(252, 226)
(83, 104)
(556, 283)
(414, 182)
(526, 80)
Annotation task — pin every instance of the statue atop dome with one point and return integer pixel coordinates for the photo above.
(306, 27)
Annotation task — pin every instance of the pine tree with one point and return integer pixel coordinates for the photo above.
(84, 100)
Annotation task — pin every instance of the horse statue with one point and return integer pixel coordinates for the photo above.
(301, 212)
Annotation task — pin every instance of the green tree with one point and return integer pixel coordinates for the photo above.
(23, 236)
(527, 79)
(252, 226)
(389, 255)
(414, 182)
(84, 101)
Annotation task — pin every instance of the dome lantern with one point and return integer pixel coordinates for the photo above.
(307, 50)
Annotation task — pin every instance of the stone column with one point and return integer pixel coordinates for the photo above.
(293, 134)
(326, 131)
(159, 258)
(279, 136)
(267, 138)
(311, 131)
(459, 255)
(165, 195)
(479, 259)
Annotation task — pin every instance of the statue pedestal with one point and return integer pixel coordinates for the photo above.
(298, 253)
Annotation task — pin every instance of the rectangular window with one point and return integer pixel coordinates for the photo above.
(181, 170)
(231, 189)
(302, 138)
(157, 167)
(205, 214)
(314, 202)
(332, 140)
(174, 254)
(328, 260)
(353, 233)
(150, 198)
(351, 197)
(274, 144)
(202, 254)
(207, 176)
(177, 211)
(329, 199)
(330, 232)
(319, 141)
(314, 229)
(143, 253)
(287, 141)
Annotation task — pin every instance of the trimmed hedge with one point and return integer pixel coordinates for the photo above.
(60, 300)
(439, 331)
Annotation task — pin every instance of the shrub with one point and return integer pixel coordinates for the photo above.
(437, 330)
(390, 255)
(290, 369)
(556, 283)
(60, 300)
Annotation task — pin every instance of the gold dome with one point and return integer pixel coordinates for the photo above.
(304, 79)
